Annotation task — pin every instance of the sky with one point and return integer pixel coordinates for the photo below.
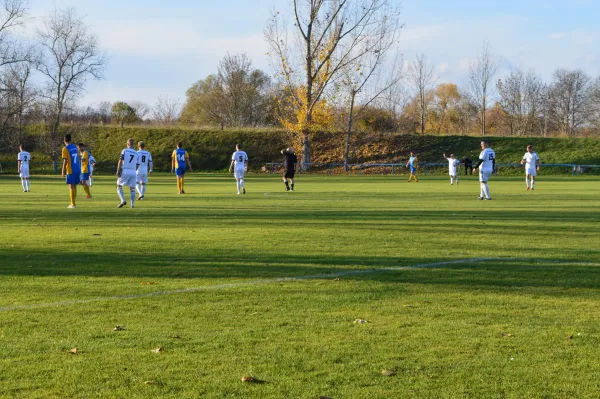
(161, 47)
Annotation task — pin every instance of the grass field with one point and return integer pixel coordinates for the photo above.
(463, 298)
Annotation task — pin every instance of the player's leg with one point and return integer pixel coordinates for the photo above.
(238, 184)
(24, 184)
(451, 180)
(143, 184)
(73, 194)
(533, 181)
(120, 193)
(292, 184)
(132, 190)
(86, 188)
(28, 183)
(138, 187)
(456, 177)
(285, 181)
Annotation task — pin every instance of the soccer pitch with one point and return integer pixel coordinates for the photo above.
(462, 298)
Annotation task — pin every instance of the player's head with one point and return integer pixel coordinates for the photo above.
(21, 147)
(67, 139)
(452, 156)
(180, 144)
(130, 143)
(141, 145)
(484, 144)
(81, 146)
(237, 147)
(529, 148)
(412, 154)
(290, 149)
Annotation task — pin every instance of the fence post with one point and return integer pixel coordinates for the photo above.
(55, 167)
(392, 169)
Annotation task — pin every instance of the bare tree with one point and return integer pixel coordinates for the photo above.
(12, 15)
(19, 95)
(569, 98)
(420, 76)
(166, 110)
(327, 35)
(142, 110)
(481, 75)
(595, 104)
(70, 58)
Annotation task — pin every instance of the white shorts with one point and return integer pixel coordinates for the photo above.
(24, 172)
(484, 176)
(91, 169)
(531, 171)
(127, 179)
(142, 178)
(452, 172)
(238, 173)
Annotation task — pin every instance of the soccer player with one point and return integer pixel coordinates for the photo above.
(91, 167)
(486, 165)
(239, 163)
(289, 164)
(84, 156)
(413, 162)
(23, 160)
(452, 168)
(126, 168)
(468, 165)
(180, 159)
(71, 168)
(532, 165)
(144, 170)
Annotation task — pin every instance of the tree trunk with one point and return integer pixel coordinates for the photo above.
(306, 148)
(122, 123)
(349, 133)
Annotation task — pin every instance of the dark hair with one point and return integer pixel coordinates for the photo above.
(81, 145)
(180, 144)
(68, 138)
(22, 146)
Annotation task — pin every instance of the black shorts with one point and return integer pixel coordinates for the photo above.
(289, 174)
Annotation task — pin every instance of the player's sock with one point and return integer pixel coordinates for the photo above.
(287, 185)
(527, 181)
(292, 186)
(486, 190)
(456, 180)
(132, 195)
(179, 184)
(481, 190)
(90, 181)
(451, 180)
(121, 194)
(242, 183)
(28, 182)
(237, 183)
(138, 188)
(143, 189)
(24, 184)
(182, 181)
(532, 183)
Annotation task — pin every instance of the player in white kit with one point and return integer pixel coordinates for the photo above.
(486, 165)
(239, 164)
(126, 169)
(532, 165)
(145, 170)
(453, 164)
(23, 160)
(91, 167)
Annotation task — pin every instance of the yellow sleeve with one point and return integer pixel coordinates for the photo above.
(174, 154)
(65, 153)
(186, 155)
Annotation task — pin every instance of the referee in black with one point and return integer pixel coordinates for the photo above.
(289, 163)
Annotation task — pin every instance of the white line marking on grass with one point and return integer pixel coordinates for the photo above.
(277, 280)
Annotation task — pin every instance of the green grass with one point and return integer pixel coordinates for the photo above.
(202, 275)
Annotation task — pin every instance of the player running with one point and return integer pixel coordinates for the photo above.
(413, 162)
(532, 165)
(453, 164)
(486, 165)
(145, 170)
(239, 163)
(71, 168)
(23, 160)
(180, 159)
(84, 156)
(91, 167)
(126, 170)
(289, 164)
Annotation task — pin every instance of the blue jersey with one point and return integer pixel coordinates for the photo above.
(412, 162)
(73, 160)
(181, 156)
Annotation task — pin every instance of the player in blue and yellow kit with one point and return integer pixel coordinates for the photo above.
(180, 159)
(71, 168)
(85, 155)
(413, 162)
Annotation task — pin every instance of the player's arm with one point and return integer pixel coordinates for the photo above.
(19, 166)
(479, 162)
(246, 165)
(187, 160)
(65, 157)
(120, 163)
(232, 163)
(150, 165)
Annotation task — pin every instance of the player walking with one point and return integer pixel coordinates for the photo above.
(180, 159)
(468, 165)
(71, 168)
(126, 169)
(239, 163)
(532, 165)
(413, 162)
(486, 165)
(144, 170)
(453, 164)
(91, 167)
(289, 164)
(23, 160)
(84, 156)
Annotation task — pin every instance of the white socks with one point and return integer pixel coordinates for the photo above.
(532, 183)
(486, 190)
(451, 180)
(121, 193)
(242, 183)
(132, 195)
(138, 187)
(24, 184)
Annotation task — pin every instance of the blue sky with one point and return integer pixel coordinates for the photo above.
(159, 47)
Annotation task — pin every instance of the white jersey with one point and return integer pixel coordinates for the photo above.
(24, 157)
(452, 165)
(145, 162)
(240, 158)
(92, 161)
(531, 160)
(130, 160)
(487, 156)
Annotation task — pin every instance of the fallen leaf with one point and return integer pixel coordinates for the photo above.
(388, 373)
(507, 335)
(158, 350)
(147, 283)
(360, 321)
(253, 314)
(118, 328)
(251, 379)
(409, 306)
(151, 382)
(336, 279)
(97, 235)
(73, 351)
(175, 336)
